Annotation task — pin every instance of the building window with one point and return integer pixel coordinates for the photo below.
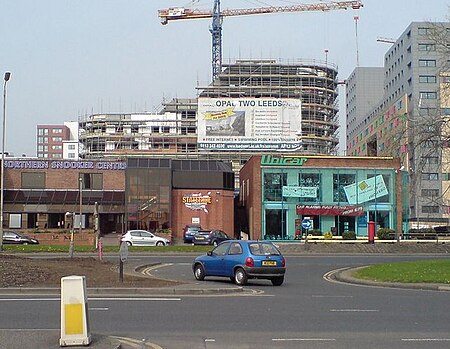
(428, 95)
(57, 130)
(33, 180)
(71, 147)
(92, 181)
(57, 139)
(430, 192)
(40, 132)
(424, 31)
(427, 47)
(428, 79)
(430, 160)
(71, 155)
(155, 129)
(339, 182)
(273, 186)
(57, 156)
(430, 176)
(430, 209)
(310, 180)
(57, 147)
(427, 111)
(165, 129)
(427, 63)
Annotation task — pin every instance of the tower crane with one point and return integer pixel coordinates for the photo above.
(178, 13)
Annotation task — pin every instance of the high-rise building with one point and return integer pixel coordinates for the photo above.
(409, 120)
(50, 140)
(253, 107)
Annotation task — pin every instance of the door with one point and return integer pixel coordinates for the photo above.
(216, 262)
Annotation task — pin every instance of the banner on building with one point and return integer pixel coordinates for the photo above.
(299, 192)
(329, 210)
(366, 190)
(253, 124)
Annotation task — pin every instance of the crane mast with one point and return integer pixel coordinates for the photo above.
(179, 13)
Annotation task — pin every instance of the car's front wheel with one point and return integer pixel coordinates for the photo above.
(240, 277)
(129, 243)
(160, 243)
(278, 281)
(199, 272)
(215, 243)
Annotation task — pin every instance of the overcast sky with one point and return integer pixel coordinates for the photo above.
(75, 57)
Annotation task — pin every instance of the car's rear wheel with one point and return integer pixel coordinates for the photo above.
(215, 243)
(240, 277)
(199, 272)
(278, 281)
(160, 243)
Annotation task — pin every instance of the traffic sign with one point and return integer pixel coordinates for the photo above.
(306, 223)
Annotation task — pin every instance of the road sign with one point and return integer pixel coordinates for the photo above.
(306, 223)
(123, 252)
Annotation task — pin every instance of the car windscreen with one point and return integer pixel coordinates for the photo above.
(263, 249)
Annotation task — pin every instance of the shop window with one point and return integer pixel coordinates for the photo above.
(33, 180)
(275, 225)
(379, 185)
(92, 181)
(273, 186)
(339, 182)
(310, 180)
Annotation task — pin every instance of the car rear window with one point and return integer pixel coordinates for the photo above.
(263, 249)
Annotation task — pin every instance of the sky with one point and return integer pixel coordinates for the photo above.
(71, 58)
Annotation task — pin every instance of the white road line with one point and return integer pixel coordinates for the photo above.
(210, 340)
(426, 339)
(303, 339)
(354, 310)
(153, 299)
(324, 296)
(101, 309)
(29, 329)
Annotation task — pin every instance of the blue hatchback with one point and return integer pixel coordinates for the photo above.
(241, 260)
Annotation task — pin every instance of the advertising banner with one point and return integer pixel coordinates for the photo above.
(252, 124)
(366, 190)
(299, 192)
(329, 210)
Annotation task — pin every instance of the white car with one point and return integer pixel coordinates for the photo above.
(143, 238)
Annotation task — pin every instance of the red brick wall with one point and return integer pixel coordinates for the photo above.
(220, 213)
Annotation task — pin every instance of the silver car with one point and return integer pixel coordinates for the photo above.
(143, 238)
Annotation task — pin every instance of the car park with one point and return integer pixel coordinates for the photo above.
(209, 237)
(241, 260)
(143, 238)
(189, 232)
(12, 237)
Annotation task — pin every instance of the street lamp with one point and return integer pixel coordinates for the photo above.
(5, 78)
(71, 245)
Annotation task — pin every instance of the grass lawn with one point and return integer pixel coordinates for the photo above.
(426, 271)
(106, 249)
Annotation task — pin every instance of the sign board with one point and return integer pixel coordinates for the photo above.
(366, 190)
(252, 124)
(307, 223)
(123, 251)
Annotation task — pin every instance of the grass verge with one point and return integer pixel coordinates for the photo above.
(424, 271)
(106, 249)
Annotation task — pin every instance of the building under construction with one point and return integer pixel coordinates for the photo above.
(174, 131)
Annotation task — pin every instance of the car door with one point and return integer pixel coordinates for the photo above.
(136, 238)
(233, 257)
(215, 263)
(148, 239)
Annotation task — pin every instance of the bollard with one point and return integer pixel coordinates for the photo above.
(74, 312)
(100, 249)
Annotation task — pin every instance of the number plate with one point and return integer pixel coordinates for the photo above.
(269, 263)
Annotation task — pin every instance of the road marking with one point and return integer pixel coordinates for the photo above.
(354, 310)
(324, 296)
(153, 299)
(210, 340)
(101, 309)
(303, 339)
(136, 343)
(426, 339)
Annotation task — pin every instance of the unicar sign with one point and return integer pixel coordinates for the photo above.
(271, 160)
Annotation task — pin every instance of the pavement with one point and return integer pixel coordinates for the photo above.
(49, 339)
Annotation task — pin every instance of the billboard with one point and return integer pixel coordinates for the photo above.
(251, 124)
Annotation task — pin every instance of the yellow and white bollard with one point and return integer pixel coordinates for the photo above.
(74, 312)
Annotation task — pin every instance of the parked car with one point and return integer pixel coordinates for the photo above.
(143, 238)
(12, 237)
(209, 237)
(241, 260)
(189, 230)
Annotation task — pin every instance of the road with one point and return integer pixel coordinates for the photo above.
(307, 311)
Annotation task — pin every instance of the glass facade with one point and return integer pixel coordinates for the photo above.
(333, 199)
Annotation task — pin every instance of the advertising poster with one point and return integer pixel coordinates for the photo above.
(230, 124)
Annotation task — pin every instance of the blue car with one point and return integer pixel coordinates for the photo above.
(241, 260)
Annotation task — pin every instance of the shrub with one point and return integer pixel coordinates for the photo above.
(349, 235)
(315, 232)
(328, 235)
(385, 233)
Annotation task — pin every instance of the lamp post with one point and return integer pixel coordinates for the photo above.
(5, 78)
(81, 204)
(71, 245)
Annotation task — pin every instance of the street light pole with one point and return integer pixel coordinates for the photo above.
(81, 202)
(5, 78)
